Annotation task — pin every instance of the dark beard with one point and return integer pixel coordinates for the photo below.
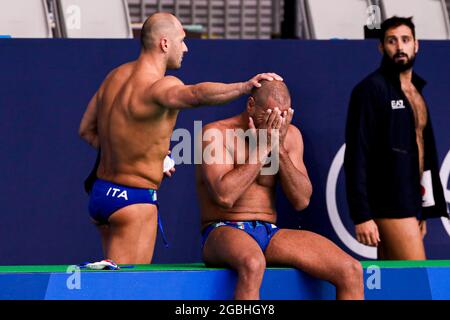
(398, 66)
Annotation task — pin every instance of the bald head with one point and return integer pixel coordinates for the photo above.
(158, 25)
(274, 90)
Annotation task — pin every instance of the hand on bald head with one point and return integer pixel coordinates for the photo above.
(271, 94)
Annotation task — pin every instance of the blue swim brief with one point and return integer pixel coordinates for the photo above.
(107, 197)
(261, 231)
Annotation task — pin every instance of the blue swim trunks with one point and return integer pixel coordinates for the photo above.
(107, 197)
(261, 231)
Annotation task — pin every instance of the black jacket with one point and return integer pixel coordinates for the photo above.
(381, 157)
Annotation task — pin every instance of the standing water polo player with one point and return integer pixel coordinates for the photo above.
(391, 164)
(131, 119)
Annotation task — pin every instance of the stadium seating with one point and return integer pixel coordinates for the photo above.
(94, 19)
(429, 16)
(327, 19)
(25, 19)
(230, 19)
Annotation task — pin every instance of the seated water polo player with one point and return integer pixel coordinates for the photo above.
(238, 202)
(131, 118)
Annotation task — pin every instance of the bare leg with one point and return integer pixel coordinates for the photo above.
(236, 249)
(130, 236)
(318, 257)
(104, 234)
(401, 239)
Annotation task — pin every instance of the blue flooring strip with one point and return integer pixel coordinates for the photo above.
(278, 284)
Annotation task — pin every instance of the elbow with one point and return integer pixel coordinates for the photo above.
(224, 202)
(85, 131)
(190, 98)
(82, 133)
(89, 137)
(195, 96)
(301, 204)
(86, 135)
(302, 201)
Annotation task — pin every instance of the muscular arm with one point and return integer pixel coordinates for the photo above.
(88, 125)
(293, 174)
(227, 182)
(170, 92)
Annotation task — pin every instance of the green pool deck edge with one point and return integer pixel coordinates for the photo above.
(201, 267)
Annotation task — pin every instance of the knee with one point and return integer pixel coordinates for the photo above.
(352, 273)
(252, 266)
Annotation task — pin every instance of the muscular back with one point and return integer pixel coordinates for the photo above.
(134, 134)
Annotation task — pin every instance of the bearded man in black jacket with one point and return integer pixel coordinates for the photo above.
(391, 165)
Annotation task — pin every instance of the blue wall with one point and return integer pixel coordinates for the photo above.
(46, 84)
(408, 283)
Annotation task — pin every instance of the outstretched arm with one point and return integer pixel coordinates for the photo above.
(171, 92)
(88, 125)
